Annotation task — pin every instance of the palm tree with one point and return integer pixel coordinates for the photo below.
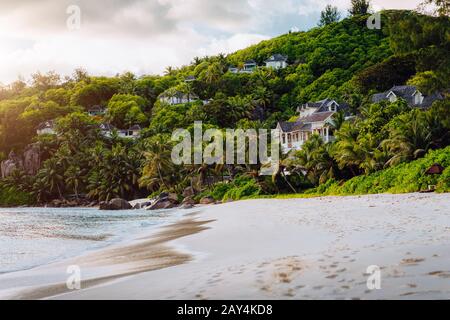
(239, 108)
(337, 120)
(284, 163)
(316, 160)
(348, 152)
(410, 139)
(170, 71)
(261, 97)
(74, 178)
(158, 164)
(50, 176)
(213, 72)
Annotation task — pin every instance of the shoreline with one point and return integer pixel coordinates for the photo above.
(286, 196)
(145, 252)
(314, 248)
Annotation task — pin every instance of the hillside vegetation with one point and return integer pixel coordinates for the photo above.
(343, 60)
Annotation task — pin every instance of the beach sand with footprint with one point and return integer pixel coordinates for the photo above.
(318, 248)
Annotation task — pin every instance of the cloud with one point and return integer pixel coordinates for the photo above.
(231, 44)
(143, 36)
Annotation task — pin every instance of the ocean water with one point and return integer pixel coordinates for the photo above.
(31, 237)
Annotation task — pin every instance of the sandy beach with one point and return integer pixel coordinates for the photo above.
(318, 248)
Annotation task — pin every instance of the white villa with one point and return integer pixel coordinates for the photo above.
(107, 130)
(249, 67)
(133, 132)
(96, 111)
(177, 98)
(47, 127)
(314, 118)
(277, 61)
(410, 94)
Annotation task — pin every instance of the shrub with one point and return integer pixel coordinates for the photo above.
(10, 196)
(403, 178)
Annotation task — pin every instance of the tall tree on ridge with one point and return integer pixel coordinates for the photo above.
(329, 15)
(359, 7)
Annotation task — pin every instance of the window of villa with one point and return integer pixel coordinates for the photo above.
(284, 138)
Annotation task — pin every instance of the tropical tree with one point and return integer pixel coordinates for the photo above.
(316, 160)
(261, 97)
(50, 178)
(74, 178)
(348, 153)
(329, 15)
(285, 163)
(359, 7)
(410, 138)
(337, 120)
(158, 166)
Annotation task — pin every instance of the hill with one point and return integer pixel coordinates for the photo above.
(344, 60)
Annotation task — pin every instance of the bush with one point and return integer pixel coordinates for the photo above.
(10, 196)
(241, 187)
(403, 178)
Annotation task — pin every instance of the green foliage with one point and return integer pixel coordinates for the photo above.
(382, 76)
(97, 92)
(341, 60)
(359, 7)
(11, 196)
(125, 110)
(428, 82)
(403, 178)
(329, 15)
(242, 187)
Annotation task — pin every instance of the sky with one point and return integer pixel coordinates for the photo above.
(107, 37)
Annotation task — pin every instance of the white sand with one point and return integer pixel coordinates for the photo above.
(303, 249)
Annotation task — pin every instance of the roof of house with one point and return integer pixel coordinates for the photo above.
(107, 127)
(378, 97)
(178, 94)
(190, 78)
(277, 57)
(286, 126)
(323, 105)
(299, 125)
(407, 93)
(317, 117)
(135, 127)
(50, 124)
(403, 91)
(429, 99)
(251, 61)
(96, 108)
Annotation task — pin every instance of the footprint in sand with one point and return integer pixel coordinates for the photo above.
(407, 294)
(331, 276)
(411, 261)
(441, 274)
